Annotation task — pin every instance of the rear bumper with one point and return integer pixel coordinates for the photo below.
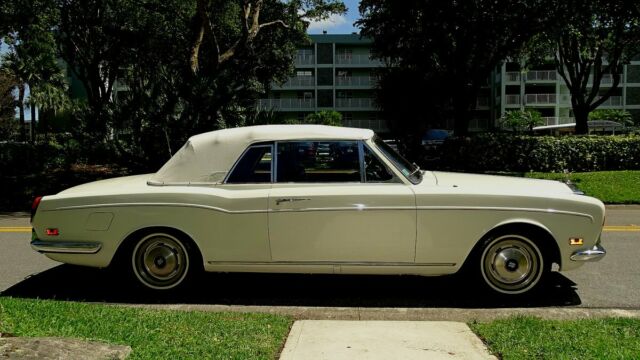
(65, 247)
(596, 253)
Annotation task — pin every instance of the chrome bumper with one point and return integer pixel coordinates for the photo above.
(596, 253)
(65, 247)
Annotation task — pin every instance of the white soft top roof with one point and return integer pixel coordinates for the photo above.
(206, 158)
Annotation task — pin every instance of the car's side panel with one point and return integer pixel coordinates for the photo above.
(342, 223)
(227, 223)
(450, 225)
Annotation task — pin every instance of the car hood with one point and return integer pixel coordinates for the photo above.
(488, 184)
(114, 185)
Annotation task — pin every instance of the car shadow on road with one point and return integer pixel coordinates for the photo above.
(73, 283)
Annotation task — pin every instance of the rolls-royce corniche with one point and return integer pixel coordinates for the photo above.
(317, 199)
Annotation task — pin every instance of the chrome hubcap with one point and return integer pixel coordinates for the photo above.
(160, 261)
(512, 264)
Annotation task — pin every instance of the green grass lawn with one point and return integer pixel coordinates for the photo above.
(533, 338)
(612, 187)
(152, 334)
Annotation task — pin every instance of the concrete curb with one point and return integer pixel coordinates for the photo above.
(421, 314)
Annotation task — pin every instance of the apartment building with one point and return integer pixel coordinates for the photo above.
(543, 89)
(334, 72)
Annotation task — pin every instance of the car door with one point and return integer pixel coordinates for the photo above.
(240, 228)
(322, 209)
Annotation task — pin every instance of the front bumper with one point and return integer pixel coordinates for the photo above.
(65, 247)
(596, 253)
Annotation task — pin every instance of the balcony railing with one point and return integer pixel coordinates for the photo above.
(540, 99)
(512, 99)
(356, 59)
(286, 104)
(607, 79)
(305, 60)
(542, 75)
(557, 120)
(613, 101)
(512, 76)
(355, 81)
(300, 81)
(354, 103)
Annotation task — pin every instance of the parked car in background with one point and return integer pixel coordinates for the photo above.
(258, 199)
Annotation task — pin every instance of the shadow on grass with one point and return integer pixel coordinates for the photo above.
(67, 282)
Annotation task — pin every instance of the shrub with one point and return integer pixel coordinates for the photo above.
(500, 152)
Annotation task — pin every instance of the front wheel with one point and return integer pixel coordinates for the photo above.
(512, 264)
(161, 261)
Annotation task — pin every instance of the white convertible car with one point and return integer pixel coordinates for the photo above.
(317, 199)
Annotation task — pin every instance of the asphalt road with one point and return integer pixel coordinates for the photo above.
(613, 282)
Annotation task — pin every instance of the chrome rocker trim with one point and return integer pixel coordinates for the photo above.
(596, 253)
(65, 247)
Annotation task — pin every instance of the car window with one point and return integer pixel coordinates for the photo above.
(374, 169)
(409, 170)
(253, 167)
(318, 161)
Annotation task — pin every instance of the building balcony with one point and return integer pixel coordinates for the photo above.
(357, 59)
(302, 60)
(612, 101)
(299, 82)
(540, 99)
(557, 120)
(512, 77)
(286, 104)
(542, 75)
(355, 103)
(355, 81)
(606, 81)
(512, 100)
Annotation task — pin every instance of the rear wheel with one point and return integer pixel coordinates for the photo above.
(161, 261)
(512, 264)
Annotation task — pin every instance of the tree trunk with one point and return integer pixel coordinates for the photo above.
(33, 123)
(581, 114)
(23, 134)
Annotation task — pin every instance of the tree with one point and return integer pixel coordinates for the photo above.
(618, 115)
(7, 105)
(32, 59)
(451, 47)
(597, 38)
(519, 120)
(324, 117)
(187, 76)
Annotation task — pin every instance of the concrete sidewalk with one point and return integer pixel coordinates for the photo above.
(353, 340)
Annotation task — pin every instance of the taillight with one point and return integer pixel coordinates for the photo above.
(34, 206)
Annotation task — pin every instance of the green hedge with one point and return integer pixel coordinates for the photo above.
(500, 152)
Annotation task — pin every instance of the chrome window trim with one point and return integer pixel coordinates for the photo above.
(394, 180)
(233, 168)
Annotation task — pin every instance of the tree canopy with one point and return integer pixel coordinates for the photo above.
(450, 47)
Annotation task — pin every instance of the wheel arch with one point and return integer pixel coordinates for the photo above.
(534, 230)
(126, 245)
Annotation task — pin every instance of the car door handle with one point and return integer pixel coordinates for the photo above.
(283, 200)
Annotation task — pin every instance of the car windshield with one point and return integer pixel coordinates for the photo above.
(409, 170)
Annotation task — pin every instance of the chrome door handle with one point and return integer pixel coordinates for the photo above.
(283, 200)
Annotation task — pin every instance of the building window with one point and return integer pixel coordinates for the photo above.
(325, 98)
(304, 73)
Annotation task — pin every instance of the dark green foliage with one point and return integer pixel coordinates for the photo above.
(324, 117)
(620, 116)
(498, 153)
(447, 50)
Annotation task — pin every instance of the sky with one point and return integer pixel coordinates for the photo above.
(338, 24)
